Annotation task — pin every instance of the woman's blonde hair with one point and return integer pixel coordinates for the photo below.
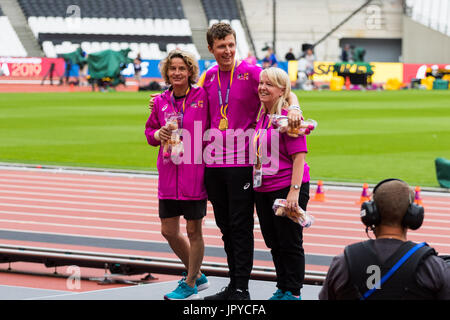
(187, 57)
(279, 78)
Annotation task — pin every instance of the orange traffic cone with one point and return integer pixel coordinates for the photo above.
(320, 195)
(417, 198)
(347, 83)
(364, 194)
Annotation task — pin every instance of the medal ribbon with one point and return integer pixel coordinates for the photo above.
(256, 140)
(224, 107)
(173, 104)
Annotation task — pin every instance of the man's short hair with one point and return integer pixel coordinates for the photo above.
(392, 199)
(219, 31)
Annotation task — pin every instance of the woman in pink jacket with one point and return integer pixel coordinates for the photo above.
(181, 190)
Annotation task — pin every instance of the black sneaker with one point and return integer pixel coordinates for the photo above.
(224, 294)
(239, 294)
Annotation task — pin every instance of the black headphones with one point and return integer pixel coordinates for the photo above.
(371, 217)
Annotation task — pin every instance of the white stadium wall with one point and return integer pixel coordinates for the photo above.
(297, 25)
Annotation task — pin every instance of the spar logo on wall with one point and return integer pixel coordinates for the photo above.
(29, 67)
(382, 71)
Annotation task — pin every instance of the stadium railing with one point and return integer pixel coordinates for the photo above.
(130, 265)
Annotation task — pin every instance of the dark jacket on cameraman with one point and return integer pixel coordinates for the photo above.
(424, 276)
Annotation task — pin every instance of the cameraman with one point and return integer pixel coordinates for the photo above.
(423, 276)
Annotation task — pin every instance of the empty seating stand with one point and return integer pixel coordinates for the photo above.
(221, 10)
(227, 11)
(147, 27)
(10, 45)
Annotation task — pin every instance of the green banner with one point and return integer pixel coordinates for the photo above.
(107, 63)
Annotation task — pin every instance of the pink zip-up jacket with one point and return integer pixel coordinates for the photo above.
(183, 181)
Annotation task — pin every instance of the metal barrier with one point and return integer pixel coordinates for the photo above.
(125, 265)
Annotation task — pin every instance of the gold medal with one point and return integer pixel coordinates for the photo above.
(223, 125)
(258, 164)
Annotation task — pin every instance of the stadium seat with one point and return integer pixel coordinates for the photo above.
(32, 22)
(192, 49)
(115, 46)
(102, 27)
(149, 26)
(129, 26)
(226, 11)
(213, 21)
(9, 36)
(86, 47)
(110, 19)
(59, 25)
(170, 47)
(155, 52)
(221, 10)
(74, 24)
(139, 26)
(64, 48)
(95, 47)
(185, 27)
(105, 46)
(241, 40)
(85, 26)
(134, 46)
(167, 26)
(143, 48)
(159, 27)
(49, 49)
(433, 14)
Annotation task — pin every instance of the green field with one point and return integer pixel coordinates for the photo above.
(361, 136)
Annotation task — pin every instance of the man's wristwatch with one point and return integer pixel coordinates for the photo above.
(296, 187)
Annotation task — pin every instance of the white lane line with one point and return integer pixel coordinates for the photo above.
(80, 202)
(124, 206)
(47, 195)
(125, 220)
(357, 208)
(66, 184)
(20, 205)
(206, 236)
(326, 215)
(155, 241)
(434, 235)
(154, 189)
(62, 225)
(318, 215)
(81, 171)
(89, 191)
(357, 222)
(100, 180)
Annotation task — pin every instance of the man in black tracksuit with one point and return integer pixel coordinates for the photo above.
(230, 186)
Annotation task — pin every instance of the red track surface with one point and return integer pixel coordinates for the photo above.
(125, 207)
